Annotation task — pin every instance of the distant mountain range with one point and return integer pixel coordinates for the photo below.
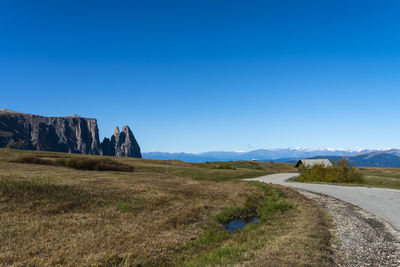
(357, 157)
(383, 159)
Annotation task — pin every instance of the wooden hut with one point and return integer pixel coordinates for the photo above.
(308, 163)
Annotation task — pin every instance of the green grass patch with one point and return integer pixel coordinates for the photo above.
(124, 206)
(236, 164)
(217, 246)
(216, 175)
(275, 203)
(223, 167)
(230, 213)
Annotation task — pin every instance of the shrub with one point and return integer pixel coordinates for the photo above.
(223, 167)
(30, 160)
(79, 163)
(340, 173)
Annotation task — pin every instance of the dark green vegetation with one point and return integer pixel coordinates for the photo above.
(261, 206)
(262, 244)
(346, 175)
(339, 173)
(164, 213)
(92, 164)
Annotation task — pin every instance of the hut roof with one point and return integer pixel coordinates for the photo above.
(313, 162)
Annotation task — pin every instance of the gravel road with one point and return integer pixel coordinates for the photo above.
(365, 220)
(384, 203)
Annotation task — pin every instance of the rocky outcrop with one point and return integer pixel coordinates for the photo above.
(127, 145)
(106, 147)
(121, 144)
(63, 134)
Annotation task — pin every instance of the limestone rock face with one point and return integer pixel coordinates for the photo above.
(63, 134)
(115, 141)
(121, 144)
(126, 144)
(107, 148)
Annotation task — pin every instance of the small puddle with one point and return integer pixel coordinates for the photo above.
(234, 225)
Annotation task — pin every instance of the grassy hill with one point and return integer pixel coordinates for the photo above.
(56, 211)
(381, 177)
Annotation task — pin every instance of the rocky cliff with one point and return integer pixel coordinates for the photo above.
(62, 134)
(121, 144)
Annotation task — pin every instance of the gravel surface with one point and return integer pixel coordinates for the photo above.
(384, 203)
(366, 222)
(360, 238)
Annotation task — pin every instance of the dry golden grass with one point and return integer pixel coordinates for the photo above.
(385, 172)
(158, 215)
(381, 177)
(271, 167)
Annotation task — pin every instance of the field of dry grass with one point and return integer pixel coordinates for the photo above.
(163, 213)
(381, 177)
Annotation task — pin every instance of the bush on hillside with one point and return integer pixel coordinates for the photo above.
(342, 172)
(94, 164)
(223, 167)
(31, 160)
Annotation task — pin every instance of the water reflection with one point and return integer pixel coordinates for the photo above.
(234, 225)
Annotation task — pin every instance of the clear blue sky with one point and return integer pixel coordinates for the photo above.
(196, 76)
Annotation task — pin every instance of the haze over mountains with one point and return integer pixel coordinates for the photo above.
(385, 159)
(259, 154)
(356, 157)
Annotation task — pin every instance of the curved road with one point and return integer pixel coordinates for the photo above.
(384, 203)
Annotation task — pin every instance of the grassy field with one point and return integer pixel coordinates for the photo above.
(381, 177)
(163, 213)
